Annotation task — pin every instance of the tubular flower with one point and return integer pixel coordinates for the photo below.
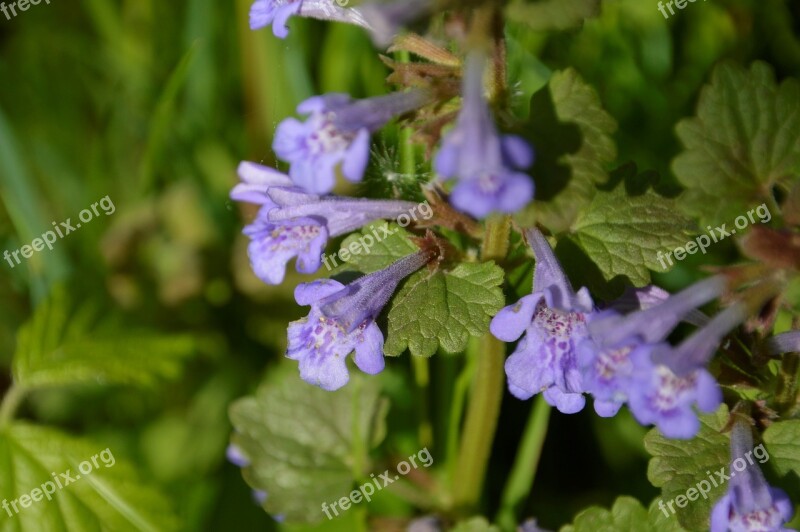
(292, 223)
(484, 162)
(342, 320)
(619, 363)
(277, 13)
(553, 320)
(751, 504)
(336, 134)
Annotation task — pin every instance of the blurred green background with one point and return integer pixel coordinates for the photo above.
(155, 103)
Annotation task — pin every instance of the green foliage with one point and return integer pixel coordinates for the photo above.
(572, 136)
(623, 233)
(62, 347)
(553, 14)
(744, 140)
(443, 309)
(783, 443)
(476, 524)
(111, 497)
(385, 251)
(678, 465)
(627, 515)
(306, 445)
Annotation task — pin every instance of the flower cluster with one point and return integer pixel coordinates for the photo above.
(571, 348)
(751, 504)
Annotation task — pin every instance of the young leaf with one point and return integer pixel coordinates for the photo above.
(623, 234)
(627, 514)
(444, 308)
(307, 446)
(744, 140)
(571, 134)
(380, 244)
(783, 444)
(60, 346)
(108, 496)
(678, 465)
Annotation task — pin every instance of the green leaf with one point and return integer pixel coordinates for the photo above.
(442, 309)
(377, 251)
(59, 346)
(783, 444)
(553, 14)
(627, 515)
(307, 446)
(623, 234)
(744, 140)
(571, 134)
(476, 524)
(110, 497)
(678, 465)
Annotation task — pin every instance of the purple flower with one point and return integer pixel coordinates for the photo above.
(659, 397)
(236, 457)
(621, 361)
(385, 19)
(606, 358)
(751, 505)
(336, 134)
(292, 223)
(277, 12)
(341, 320)
(553, 319)
(484, 162)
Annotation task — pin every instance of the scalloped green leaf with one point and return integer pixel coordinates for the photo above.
(377, 246)
(443, 309)
(626, 515)
(744, 139)
(678, 465)
(109, 496)
(623, 234)
(307, 446)
(572, 136)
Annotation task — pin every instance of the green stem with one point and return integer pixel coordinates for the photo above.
(486, 394)
(457, 408)
(524, 471)
(11, 403)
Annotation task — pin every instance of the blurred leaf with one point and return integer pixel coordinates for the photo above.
(61, 347)
(623, 234)
(545, 15)
(111, 497)
(571, 134)
(744, 140)
(678, 465)
(627, 515)
(783, 443)
(24, 207)
(307, 446)
(442, 309)
(476, 524)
